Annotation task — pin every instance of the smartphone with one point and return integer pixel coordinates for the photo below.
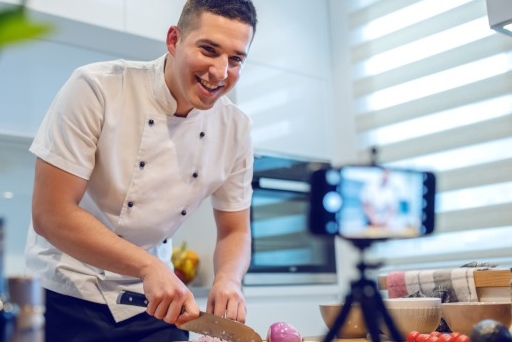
(372, 202)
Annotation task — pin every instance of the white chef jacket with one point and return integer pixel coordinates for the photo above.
(112, 124)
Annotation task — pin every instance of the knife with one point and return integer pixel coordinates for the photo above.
(205, 324)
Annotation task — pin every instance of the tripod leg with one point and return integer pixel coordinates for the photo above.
(393, 330)
(342, 316)
(370, 310)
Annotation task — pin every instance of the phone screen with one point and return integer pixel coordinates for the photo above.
(372, 202)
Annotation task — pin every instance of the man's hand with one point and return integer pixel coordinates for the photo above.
(231, 260)
(168, 298)
(226, 300)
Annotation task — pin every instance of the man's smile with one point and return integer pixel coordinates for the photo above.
(207, 85)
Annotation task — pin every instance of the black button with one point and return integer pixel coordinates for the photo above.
(130, 204)
(195, 175)
(202, 134)
(183, 213)
(151, 122)
(165, 241)
(142, 164)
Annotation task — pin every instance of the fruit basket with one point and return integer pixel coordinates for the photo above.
(185, 262)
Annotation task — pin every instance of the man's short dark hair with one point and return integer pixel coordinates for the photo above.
(242, 10)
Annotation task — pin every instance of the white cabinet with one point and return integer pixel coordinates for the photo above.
(16, 182)
(145, 18)
(152, 18)
(288, 110)
(286, 82)
(293, 35)
(105, 13)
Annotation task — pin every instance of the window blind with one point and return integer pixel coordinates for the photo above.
(432, 89)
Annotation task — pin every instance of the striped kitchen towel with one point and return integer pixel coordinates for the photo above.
(457, 283)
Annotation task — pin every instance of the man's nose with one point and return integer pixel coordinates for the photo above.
(219, 68)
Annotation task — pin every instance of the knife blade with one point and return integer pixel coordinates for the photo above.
(205, 324)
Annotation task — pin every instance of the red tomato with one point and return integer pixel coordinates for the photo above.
(435, 333)
(412, 335)
(446, 338)
(422, 337)
(433, 338)
(462, 338)
(455, 334)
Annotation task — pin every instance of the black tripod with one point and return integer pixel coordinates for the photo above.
(365, 292)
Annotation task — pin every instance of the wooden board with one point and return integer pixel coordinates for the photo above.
(319, 339)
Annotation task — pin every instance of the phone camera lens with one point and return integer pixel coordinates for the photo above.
(332, 202)
(332, 177)
(331, 227)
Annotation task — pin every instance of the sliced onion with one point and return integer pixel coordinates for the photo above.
(283, 332)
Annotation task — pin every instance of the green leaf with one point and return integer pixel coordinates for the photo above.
(15, 27)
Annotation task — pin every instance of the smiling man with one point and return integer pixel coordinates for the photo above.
(127, 151)
(205, 62)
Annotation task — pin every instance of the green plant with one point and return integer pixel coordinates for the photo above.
(15, 26)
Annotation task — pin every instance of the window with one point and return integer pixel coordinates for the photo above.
(432, 90)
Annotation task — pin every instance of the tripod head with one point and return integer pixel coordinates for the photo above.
(362, 245)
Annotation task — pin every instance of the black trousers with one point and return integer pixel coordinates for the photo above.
(70, 319)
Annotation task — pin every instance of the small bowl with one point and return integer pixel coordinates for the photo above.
(353, 327)
(463, 316)
(406, 319)
(422, 314)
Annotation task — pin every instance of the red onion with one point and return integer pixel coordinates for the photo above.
(283, 332)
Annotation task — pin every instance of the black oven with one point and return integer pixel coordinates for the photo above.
(283, 249)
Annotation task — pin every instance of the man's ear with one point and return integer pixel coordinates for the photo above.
(172, 39)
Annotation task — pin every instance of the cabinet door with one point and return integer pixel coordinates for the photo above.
(152, 18)
(105, 13)
(300, 310)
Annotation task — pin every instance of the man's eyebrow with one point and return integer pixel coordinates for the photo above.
(214, 44)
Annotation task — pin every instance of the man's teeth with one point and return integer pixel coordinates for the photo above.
(208, 85)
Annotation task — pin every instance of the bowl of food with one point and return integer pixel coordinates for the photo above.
(463, 316)
(413, 314)
(353, 327)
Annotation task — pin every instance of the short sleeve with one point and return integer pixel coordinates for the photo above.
(69, 133)
(236, 192)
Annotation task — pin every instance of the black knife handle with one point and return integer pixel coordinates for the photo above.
(132, 298)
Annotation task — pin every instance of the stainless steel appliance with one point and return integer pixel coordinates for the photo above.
(283, 249)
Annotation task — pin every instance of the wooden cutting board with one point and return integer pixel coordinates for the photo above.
(319, 339)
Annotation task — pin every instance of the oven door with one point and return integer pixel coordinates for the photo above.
(283, 249)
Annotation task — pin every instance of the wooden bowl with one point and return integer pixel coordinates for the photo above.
(463, 316)
(354, 326)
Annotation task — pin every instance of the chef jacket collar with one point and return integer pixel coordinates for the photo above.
(162, 94)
